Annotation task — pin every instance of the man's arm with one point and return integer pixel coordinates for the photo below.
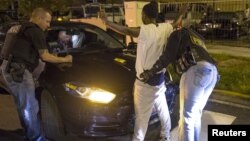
(168, 56)
(182, 12)
(169, 53)
(47, 57)
(131, 31)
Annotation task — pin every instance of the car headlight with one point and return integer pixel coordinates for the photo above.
(59, 19)
(91, 93)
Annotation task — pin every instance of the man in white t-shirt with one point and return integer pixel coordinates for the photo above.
(152, 38)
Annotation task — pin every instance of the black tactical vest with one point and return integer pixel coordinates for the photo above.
(191, 50)
(21, 47)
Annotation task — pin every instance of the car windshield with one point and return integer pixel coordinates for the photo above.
(68, 38)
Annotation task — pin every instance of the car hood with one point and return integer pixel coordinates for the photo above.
(110, 70)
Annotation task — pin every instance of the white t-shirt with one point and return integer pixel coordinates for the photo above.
(151, 43)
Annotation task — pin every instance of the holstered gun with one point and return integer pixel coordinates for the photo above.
(185, 61)
(17, 71)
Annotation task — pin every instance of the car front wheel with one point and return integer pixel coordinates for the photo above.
(50, 116)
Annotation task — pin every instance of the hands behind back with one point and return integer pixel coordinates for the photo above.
(146, 75)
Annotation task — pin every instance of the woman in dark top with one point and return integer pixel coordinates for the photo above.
(187, 52)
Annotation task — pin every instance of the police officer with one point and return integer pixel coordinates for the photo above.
(24, 45)
(187, 52)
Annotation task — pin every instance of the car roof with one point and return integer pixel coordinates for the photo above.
(70, 23)
(54, 24)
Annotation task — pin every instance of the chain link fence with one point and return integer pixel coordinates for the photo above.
(218, 21)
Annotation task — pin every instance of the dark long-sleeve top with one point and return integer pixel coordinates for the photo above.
(177, 44)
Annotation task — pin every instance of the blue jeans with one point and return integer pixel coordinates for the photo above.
(26, 103)
(196, 85)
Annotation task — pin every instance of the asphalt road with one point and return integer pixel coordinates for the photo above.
(215, 113)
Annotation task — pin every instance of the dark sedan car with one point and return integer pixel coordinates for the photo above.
(222, 25)
(93, 95)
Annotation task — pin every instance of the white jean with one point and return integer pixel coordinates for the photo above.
(196, 85)
(145, 98)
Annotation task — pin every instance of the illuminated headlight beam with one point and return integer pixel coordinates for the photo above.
(93, 94)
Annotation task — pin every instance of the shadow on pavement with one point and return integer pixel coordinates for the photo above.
(18, 135)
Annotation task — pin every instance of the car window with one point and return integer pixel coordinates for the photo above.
(61, 39)
(101, 37)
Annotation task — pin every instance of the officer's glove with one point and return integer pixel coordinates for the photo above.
(146, 75)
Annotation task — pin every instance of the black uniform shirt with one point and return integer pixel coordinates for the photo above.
(29, 40)
(176, 46)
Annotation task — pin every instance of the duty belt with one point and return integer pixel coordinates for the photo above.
(10, 59)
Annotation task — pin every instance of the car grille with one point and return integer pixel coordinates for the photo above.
(108, 121)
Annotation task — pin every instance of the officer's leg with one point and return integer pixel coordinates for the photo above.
(208, 91)
(27, 105)
(189, 105)
(182, 86)
(199, 77)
